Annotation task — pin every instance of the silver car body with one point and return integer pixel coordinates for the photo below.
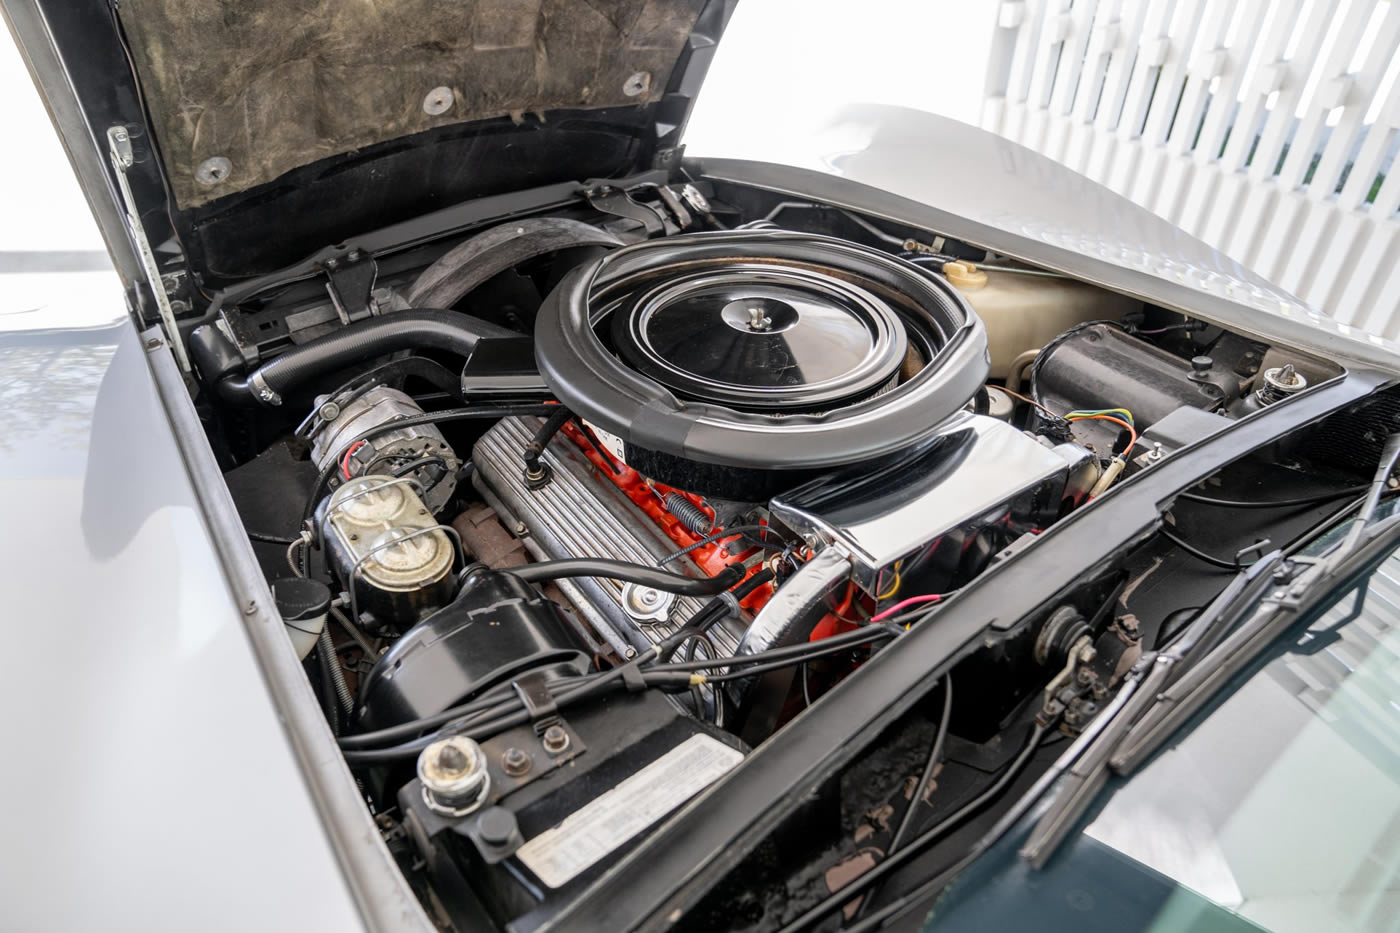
(149, 665)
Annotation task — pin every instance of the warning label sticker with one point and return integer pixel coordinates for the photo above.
(608, 440)
(588, 834)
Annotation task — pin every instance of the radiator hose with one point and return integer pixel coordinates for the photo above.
(220, 364)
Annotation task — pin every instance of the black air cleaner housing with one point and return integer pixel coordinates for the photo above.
(737, 364)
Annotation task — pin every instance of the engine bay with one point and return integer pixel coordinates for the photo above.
(565, 514)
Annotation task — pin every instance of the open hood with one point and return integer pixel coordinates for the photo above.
(322, 119)
(241, 93)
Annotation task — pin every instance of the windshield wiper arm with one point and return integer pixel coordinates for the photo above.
(1087, 776)
(1201, 664)
(1390, 456)
(1270, 620)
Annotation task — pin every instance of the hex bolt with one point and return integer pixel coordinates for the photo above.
(520, 528)
(328, 412)
(555, 740)
(516, 761)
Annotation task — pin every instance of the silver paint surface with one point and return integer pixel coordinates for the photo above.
(150, 782)
(964, 182)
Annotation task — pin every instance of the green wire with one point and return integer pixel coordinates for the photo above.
(1127, 415)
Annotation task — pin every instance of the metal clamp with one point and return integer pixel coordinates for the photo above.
(534, 694)
(265, 393)
(389, 481)
(359, 564)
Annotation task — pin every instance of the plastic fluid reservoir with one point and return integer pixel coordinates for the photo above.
(1024, 310)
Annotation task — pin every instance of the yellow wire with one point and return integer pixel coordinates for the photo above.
(1077, 415)
(894, 589)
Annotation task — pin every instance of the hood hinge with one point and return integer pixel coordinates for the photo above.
(119, 149)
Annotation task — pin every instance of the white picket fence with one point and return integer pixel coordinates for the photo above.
(1265, 127)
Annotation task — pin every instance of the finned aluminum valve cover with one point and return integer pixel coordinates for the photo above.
(579, 514)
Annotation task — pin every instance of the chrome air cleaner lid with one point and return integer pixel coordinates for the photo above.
(762, 337)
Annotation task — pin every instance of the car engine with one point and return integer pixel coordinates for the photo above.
(567, 514)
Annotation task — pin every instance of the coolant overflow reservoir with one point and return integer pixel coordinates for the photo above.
(1024, 310)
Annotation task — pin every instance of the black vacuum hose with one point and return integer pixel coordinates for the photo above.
(403, 330)
(632, 573)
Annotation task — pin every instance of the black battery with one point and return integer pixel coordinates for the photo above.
(566, 800)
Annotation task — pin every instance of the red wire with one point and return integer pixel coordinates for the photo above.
(345, 460)
(911, 601)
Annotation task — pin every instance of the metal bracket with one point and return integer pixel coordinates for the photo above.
(1081, 652)
(619, 203)
(350, 283)
(673, 203)
(540, 707)
(119, 150)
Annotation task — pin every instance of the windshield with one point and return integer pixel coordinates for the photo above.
(1284, 804)
(1279, 810)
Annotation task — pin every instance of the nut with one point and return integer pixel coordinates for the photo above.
(516, 761)
(555, 740)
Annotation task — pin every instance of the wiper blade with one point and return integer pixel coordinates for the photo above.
(1158, 704)
(1199, 683)
(1187, 673)
(1145, 686)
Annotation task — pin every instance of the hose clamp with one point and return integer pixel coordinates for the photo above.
(265, 393)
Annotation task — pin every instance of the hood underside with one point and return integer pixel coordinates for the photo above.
(241, 92)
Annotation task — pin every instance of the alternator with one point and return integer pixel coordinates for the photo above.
(419, 451)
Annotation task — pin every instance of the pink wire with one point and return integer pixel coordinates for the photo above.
(911, 601)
